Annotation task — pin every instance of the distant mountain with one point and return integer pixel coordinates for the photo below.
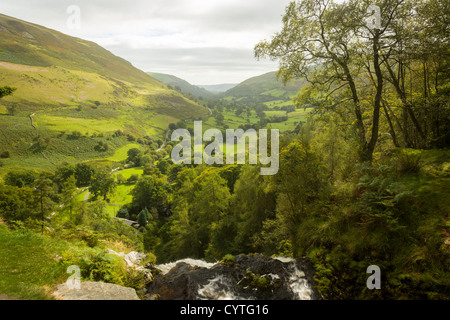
(266, 87)
(184, 86)
(50, 69)
(217, 88)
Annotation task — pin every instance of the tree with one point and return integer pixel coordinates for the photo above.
(172, 126)
(102, 184)
(252, 203)
(300, 182)
(334, 48)
(123, 213)
(150, 192)
(44, 189)
(68, 193)
(210, 204)
(134, 156)
(6, 91)
(163, 166)
(18, 204)
(25, 178)
(84, 174)
(143, 217)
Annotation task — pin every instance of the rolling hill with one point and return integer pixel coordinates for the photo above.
(65, 85)
(184, 86)
(75, 71)
(217, 88)
(265, 88)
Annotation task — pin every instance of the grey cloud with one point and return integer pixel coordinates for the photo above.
(207, 21)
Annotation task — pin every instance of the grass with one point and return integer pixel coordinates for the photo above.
(122, 194)
(126, 173)
(28, 266)
(234, 121)
(121, 153)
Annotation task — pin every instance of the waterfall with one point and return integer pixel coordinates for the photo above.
(249, 277)
(166, 267)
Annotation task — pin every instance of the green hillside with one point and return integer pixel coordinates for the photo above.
(265, 88)
(73, 71)
(183, 85)
(66, 85)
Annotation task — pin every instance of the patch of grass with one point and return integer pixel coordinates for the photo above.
(28, 266)
(121, 153)
(126, 173)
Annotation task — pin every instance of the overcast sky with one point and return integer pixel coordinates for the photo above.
(201, 41)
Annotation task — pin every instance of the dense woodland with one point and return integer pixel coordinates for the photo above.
(364, 181)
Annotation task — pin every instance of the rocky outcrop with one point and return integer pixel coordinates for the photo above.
(247, 277)
(133, 261)
(95, 291)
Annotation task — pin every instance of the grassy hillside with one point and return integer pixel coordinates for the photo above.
(217, 88)
(65, 85)
(265, 88)
(184, 86)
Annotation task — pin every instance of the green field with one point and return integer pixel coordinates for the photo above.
(234, 121)
(121, 153)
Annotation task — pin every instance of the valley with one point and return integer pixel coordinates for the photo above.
(88, 178)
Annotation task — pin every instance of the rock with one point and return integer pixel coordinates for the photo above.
(249, 277)
(132, 259)
(95, 291)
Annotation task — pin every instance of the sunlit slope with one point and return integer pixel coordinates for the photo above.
(50, 68)
(265, 88)
(76, 101)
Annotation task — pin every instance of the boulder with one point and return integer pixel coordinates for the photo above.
(90, 290)
(248, 277)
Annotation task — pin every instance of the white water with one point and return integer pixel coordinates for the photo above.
(213, 290)
(299, 285)
(193, 262)
(221, 287)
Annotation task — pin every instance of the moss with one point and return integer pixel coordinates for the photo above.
(228, 259)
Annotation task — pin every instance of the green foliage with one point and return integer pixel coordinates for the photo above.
(255, 281)
(228, 259)
(143, 217)
(150, 192)
(83, 174)
(96, 265)
(103, 184)
(123, 213)
(6, 91)
(409, 161)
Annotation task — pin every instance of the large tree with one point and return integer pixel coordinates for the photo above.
(338, 49)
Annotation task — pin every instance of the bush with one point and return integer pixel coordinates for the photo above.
(409, 161)
(123, 213)
(97, 265)
(74, 135)
(5, 154)
(228, 259)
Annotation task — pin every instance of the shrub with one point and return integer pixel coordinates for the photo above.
(97, 265)
(228, 259)
(409, 161)
(5, 154)
(123, 213)
(74, 135)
